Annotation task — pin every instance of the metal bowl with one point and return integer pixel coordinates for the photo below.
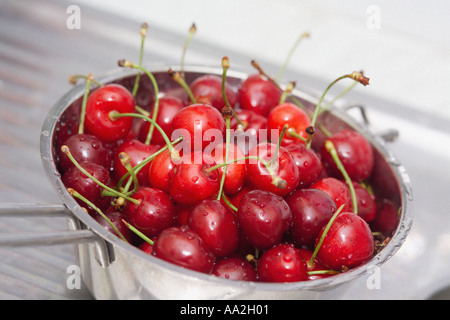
(114, 269)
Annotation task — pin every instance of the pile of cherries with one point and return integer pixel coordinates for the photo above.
(223, 180)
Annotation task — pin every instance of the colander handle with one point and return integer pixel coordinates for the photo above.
(75, 236)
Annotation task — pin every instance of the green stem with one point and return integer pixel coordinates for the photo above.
(125, 160)
(228, 203)
(191, 33)
(176, 76)
(140, 234)
(324, 233)
(83, 105)
(329, 146)
(289, 56)
(227, 152)
(126, 63)
(77, 195)
(143, 33)
(116, 193)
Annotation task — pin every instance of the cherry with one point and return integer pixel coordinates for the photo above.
(234, 268)
(309, 164)
(355, 153)
(386, 219)
(247, 135)
(316, 270)
(236, 198)
(259, 94)
(168, 107)
(290, 114)
(184, 247)
(84, 148)
(348, 242)
(336, 189)
(264, 218)
(88, 188)
(153, 214)
(198, 124)
(102, 101)
(208, 89)
(311, 210)
(236, 170)
(282, 263)
(367, 208)
(115, 217)
(146, 247)
(137, 152)
(159, 169)
(216, 225)
(281, 163)
(190, 181)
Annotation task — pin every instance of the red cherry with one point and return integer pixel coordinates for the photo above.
(336, 189)
(191, 182)
(348, 243)
(367, 208)
(288, 113)
(235, 174)
(137, 152)
(208, 89)
(159, 169)
(284, 168)
(84, 148)
(184, 247)
(216, 225)
(264, 218)
(386, 219)
(309, 165)
(115, 217)
(248, 135)
(355, 153)
(258, 94)
(282, 263)
(100, 103)
(199, 125)
(146, 247)
(88, 188)
(234, 268)
(168, 107)
(155, 212)
(311, 210)
(317, 266)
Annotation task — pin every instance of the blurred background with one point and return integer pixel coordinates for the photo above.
(402, 46)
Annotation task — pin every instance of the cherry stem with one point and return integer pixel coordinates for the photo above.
(176, 76)
(66, 150)
(192, 31)
(77, 195)
(319, 272)
(126, 63)
(143, 33)
(287, 91)
(289, 56)
(228, 203)
(329, 146)
(125, 160)
(175, 155)
(274, 161)
(291, 132)
(310, 263)
(227, 152)
(89, 79)
(225, 67)
(357, 76)
(74, 78)
(137, 232)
